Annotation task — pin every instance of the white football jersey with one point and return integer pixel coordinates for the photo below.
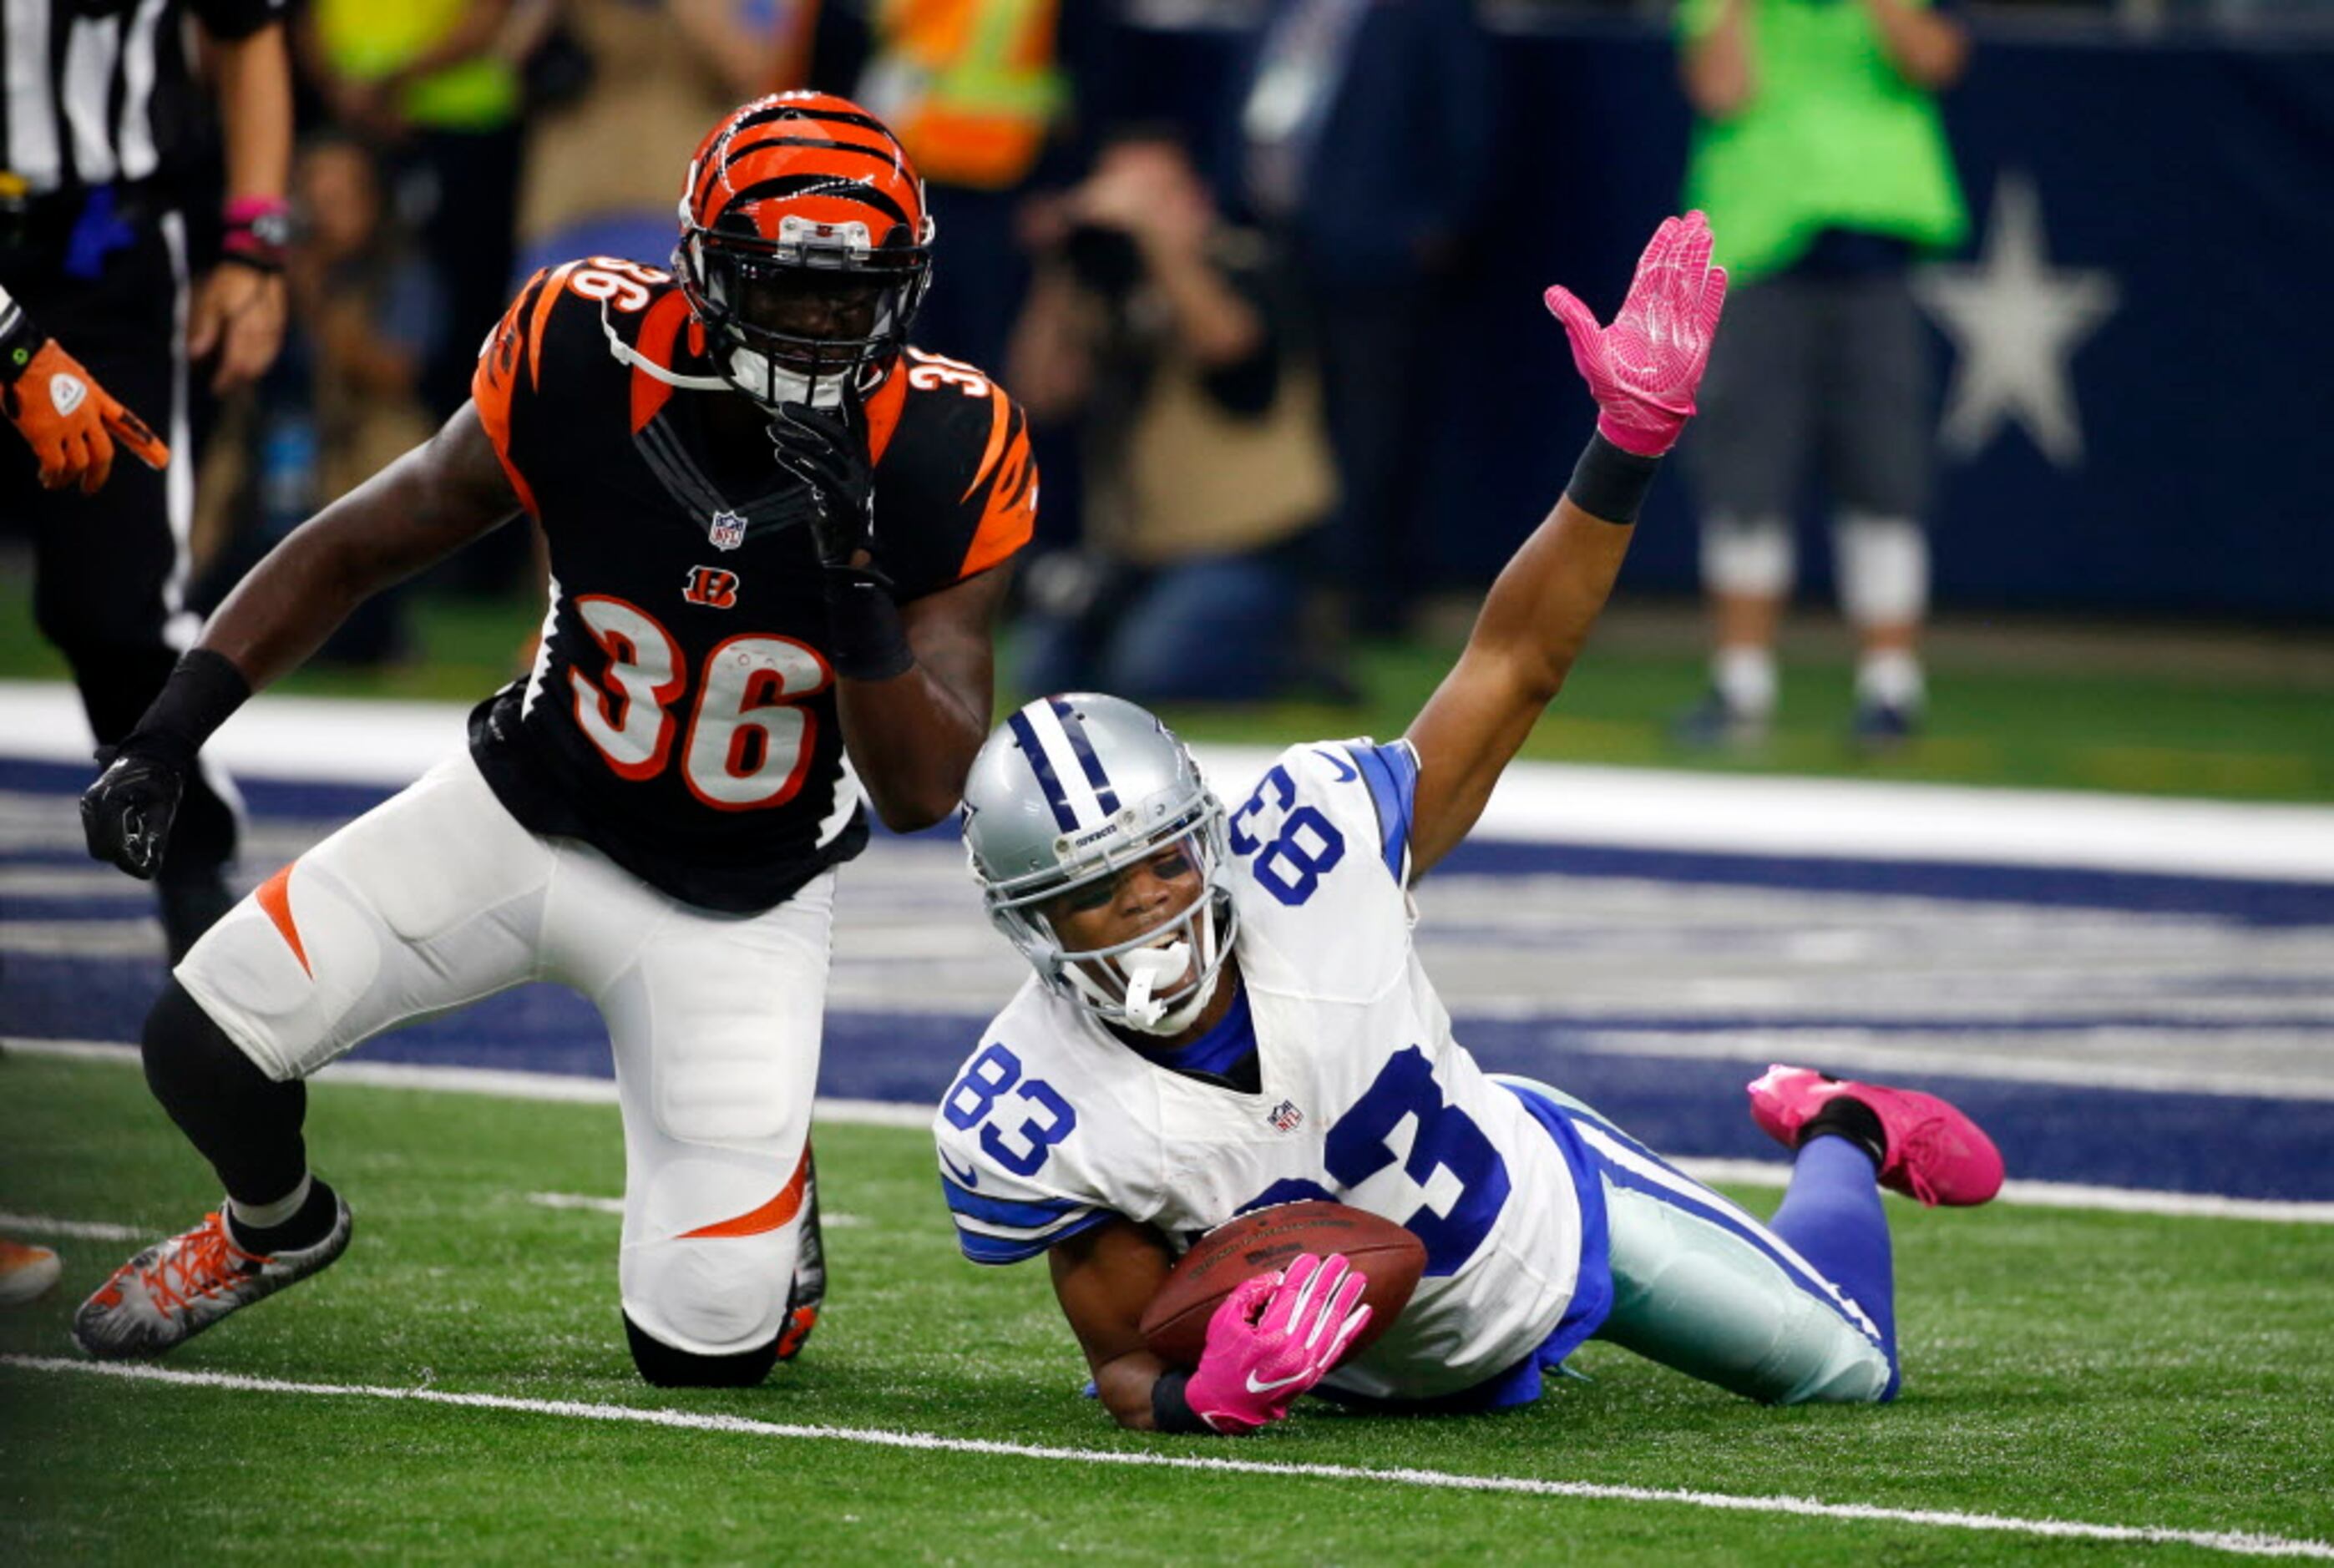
(1054, 1125)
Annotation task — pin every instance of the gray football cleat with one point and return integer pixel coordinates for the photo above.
(807, 1295)
(176, 1289)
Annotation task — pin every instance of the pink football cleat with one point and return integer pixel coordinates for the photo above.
(1934, 1153)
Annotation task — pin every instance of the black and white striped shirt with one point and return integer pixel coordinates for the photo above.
(98, 91)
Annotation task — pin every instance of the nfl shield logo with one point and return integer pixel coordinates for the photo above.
(1286, 1117)
(728, 530)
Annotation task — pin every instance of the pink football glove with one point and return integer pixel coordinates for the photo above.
(1643, 370)
(1273, 1338)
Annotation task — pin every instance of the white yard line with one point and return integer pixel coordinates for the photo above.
(392, 742)
(577, 1200)
(86, 1229)
(2241, 1543)
(880, 1113)
(1847, 1049)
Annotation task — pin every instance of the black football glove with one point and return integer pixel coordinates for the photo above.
(826, 449)
(127, 814)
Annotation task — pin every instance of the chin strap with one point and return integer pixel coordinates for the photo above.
(823, 392)
(625, 354)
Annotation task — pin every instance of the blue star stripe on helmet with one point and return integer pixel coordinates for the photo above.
(1075, 727)
(1025, 734)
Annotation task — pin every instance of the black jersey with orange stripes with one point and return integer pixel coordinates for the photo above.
(681, 716)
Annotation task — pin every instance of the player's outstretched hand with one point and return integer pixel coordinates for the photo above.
(126, 815)
(826, 449)
(1274, 1337)
(1643, 370)
(72, 423)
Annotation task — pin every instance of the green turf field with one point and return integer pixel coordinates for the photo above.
(2109, 1369)
(2115, 709)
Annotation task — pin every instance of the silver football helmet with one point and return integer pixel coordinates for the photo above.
(1070, 790)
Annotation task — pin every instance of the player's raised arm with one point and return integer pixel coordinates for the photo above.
(1643, 371)
(444, 493)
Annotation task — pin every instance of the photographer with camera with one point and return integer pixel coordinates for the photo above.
(1205, 466)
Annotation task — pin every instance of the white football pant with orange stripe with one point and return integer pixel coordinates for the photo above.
(437, 898)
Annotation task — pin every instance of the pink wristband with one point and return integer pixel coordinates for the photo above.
(258, 231)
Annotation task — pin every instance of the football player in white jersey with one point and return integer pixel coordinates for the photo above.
(1227, 1013)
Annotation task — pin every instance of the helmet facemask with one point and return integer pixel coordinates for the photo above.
(1119, 985)
(754, 297)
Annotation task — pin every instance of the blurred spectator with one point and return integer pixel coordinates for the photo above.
(982, 93)
(1204, 460)
(1821, 160)
(599, 175)
(1367, 128)
(343, 401)
(430, 82)
(751, 46)
(368, 313)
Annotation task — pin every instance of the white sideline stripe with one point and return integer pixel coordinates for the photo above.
(2057, 1194)
(1850, 1047)
(555, 1086)
(393, 743)
(2242, 1543)
(49, 1225)
(495, 1080)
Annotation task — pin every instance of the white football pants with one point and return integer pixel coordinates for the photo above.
(437, 898)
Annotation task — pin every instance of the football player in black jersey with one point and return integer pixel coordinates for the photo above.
(779, 538)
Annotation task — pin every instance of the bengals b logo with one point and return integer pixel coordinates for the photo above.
(711, 587)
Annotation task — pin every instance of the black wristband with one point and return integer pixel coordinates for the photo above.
(866, 641)
(1610, 484)
(204, 689)
(1171, 1411)
(20, 340)
(265, 262)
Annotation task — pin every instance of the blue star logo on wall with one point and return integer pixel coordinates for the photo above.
(2015, 321)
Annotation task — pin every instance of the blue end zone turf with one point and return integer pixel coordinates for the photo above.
(2231, 1146)
(2260, 1147)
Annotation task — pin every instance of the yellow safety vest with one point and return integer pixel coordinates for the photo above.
(969, 85)
(368, 39)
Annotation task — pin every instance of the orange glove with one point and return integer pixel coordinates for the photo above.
(72, 422)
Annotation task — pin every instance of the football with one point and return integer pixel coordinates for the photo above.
(1175, 1323)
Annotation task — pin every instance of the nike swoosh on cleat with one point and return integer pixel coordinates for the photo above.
(1256, 1388)
(968, 1176)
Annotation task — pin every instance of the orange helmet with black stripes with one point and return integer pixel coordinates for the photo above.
(806, 247)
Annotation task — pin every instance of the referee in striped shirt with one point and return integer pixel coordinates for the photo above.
(103, 318)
